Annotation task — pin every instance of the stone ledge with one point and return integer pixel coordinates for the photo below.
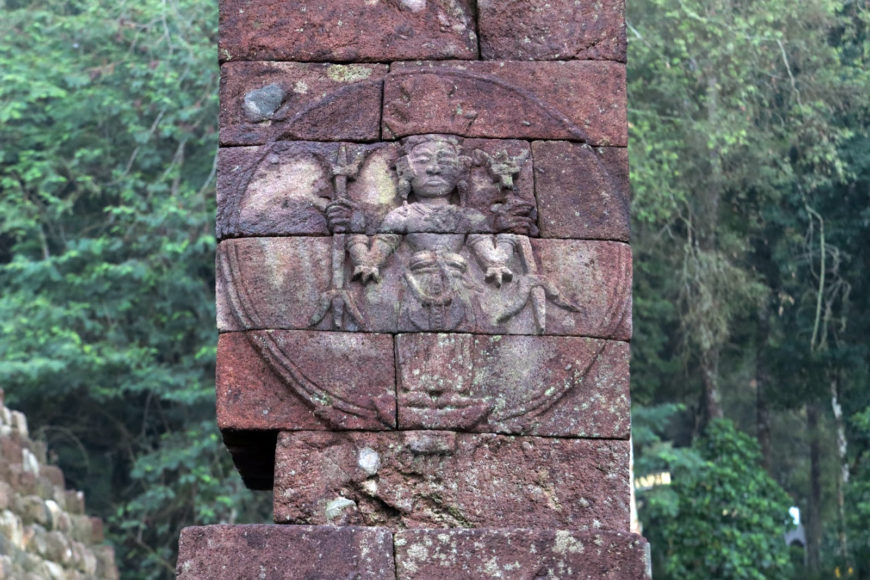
(521, 554)
(287, 552)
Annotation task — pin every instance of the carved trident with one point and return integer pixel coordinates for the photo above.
(502, 169)
(337, 297)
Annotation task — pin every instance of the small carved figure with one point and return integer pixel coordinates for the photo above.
(435, 223)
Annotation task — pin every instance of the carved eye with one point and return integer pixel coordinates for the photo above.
(423, 158)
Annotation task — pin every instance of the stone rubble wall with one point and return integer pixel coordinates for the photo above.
(44, 530)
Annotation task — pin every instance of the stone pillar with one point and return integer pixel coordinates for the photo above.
(424, 290)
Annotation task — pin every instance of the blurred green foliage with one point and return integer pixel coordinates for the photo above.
(107, 147)
(751, 173)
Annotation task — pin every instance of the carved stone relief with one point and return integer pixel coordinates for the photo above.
(428, 235)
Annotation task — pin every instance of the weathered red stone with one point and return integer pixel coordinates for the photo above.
(270, 282)
(598, 274)
(304, 380)
(445, 479)
(575, 100)
(284, 553)
(278, 283)
(283, 188)
(263, 101)
(552, 29)
(346, 30)
(582, 192)
(540, 385)
(527, 554)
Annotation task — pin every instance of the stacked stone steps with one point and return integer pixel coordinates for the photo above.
(44, 530)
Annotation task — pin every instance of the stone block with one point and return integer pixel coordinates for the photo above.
(346, 30)
(97, 535)
(106, 561)
(82, 529)
(292, 380)
(520, 554)
(284, 552)
(283, 188)
(442, 479)
(32, 509)
(582, 192)
(540, 385)
(598, 274)
(54, 474)
(279, 283)
(574, 100)
(11, 449)
(6, 495)
(552, 29)
(75, 502)
(271, 282)
(265, 101)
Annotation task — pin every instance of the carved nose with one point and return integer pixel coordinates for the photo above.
(433, 170)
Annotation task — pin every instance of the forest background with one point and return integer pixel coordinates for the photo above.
(750, 164)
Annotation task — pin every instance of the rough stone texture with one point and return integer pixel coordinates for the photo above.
(43, 530)
(419, 479)
(599, 275)
(223, 552)
(321, 102)
(283, 188)
(541, 385)
(346, 30)
(520, 555)
(277, 283)
(582, 192)
(552, 29)
(575, 100)
(352, 372)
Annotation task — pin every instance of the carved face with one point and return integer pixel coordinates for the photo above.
(435, 169)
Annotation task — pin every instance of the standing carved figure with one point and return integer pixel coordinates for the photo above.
(435, 223)
(442, 234)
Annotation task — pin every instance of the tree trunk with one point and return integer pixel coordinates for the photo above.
(762, 384)
(762, 416)
(814, 504)
(844, 468)
(712, 401)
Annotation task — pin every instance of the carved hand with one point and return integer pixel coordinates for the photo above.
(343, 215)
(366, 274)
(516, 216)
(499, 274)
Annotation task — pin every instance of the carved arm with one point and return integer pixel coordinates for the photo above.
(493, 253)
(368, 254)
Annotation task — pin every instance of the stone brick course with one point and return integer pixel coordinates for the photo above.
(346, 30)
(213, 552)
(417, 479)
(575, 100)
(284, 278)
